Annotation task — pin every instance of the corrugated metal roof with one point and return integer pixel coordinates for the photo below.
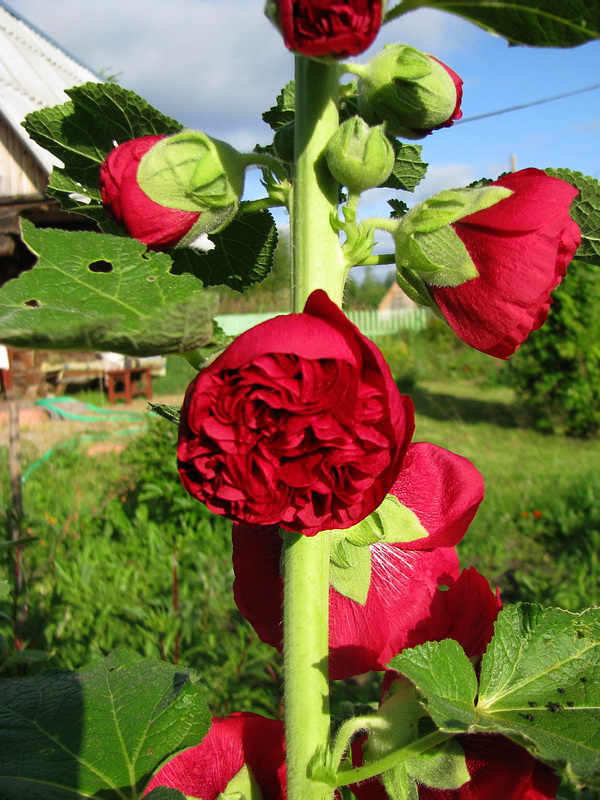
(34, 72)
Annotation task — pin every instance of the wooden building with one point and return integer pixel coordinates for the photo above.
(34, 72)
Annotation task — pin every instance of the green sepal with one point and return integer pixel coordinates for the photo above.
(242, 786)
(350, 570)
(191, 171)
(350, 559)
(415, 288)
(439, 258)
(449, 206)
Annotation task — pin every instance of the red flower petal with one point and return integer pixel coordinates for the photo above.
(443, 489)
(521, 247)
(242, 738)
(466, 612)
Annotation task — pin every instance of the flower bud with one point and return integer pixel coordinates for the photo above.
(168, 190)
(359, 157)
(337, 29)
(283, 142)
(412, 92)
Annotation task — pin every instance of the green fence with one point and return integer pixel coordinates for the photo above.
(372, 323)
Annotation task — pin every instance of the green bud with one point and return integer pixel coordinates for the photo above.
(359, 157)
(191, 171)
(283, 143)
(410, 91)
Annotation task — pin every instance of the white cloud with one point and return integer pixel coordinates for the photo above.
(212, 65)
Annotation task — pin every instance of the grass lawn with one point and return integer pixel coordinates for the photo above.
(537, 532)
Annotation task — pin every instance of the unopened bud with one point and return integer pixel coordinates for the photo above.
(359, 157)
(412, 92)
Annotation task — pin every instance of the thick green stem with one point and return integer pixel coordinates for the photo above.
(317, 263)
(317, 259)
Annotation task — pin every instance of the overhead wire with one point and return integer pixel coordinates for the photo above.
(528, 105)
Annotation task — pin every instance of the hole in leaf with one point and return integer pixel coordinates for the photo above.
(100, 266)
(151, 278)
(32, 303)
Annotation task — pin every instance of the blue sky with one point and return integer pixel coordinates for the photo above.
(217, 64)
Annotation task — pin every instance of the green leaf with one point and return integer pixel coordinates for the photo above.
(137, 307)
(540, 685)
(165, 793)
(446, 677)
(243, 253)
(544, 23)
(283, 110)
(168, 412)
(409, 169)
(100, 732)
(83, 131)
(585, 210)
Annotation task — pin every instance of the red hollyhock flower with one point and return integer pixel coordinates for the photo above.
(241, 739)
(444, 490)
(499, 770)
(156, 226)
(337, 28)
(521, 247)
(298, 423)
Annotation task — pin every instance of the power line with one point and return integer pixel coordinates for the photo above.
(529, 105)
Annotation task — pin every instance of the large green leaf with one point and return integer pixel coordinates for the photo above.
(539, 685)
(243, 253)
(97, 733)
(83, 131)
(585, 210)
(544, 23)
(92, 291)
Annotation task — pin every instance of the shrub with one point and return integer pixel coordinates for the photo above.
(557, 371)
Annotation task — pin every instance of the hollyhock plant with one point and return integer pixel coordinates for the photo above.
(298, 423)
(521, 247)
(337, 28)
(242, 751)
(443, 491)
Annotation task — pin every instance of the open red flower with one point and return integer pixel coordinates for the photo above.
(444, 491)
(157, 226)
(234, 742)
(298, 423)
(337, 28)
(521, 247)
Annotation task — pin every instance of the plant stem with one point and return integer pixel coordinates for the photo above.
(348, 776)
(317, 263)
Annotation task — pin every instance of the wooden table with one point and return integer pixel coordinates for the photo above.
(125, 384)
